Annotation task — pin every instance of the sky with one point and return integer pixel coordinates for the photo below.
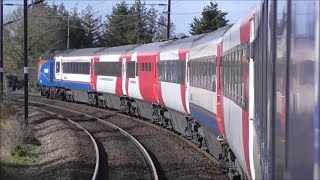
(182, 11)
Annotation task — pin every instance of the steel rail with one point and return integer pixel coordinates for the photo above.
(96, 169)
(142, 150)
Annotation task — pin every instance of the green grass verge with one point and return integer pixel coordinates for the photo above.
(22, 154)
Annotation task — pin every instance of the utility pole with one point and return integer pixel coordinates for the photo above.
(25, 69)
(1, 52)
(168, 23)
(68, 40)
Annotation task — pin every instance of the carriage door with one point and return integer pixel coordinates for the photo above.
(187, 82)
(124, 76)
(58, 69)
(51, 72)
(251, 101)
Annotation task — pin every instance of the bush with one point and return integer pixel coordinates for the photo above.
(18, 151)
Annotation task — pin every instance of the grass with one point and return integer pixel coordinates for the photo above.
(14, 148)
(22, 154)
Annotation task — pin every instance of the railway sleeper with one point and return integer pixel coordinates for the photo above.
(195, 133)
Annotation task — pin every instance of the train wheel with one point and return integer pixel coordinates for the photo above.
(41, 92)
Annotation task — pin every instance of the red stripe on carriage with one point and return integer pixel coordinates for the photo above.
(93, 82)
(183, 57)
(220, 94)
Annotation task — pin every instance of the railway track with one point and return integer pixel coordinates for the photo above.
(138, 167)
(174, 156)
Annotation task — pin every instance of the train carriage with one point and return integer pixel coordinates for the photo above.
(108, 77)
(141, 84)
(46, 69)
(69, 73)
(172, 84)
(203, 62)
(248, 93)
(235, 89)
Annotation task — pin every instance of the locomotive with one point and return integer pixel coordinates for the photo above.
(247, 93)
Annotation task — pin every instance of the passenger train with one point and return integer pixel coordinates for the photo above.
(247, 93)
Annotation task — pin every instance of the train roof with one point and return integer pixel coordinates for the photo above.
(149, 47)
(116, 50)
(182, 43)
(82, 52)
(51, 54)
(212, 36)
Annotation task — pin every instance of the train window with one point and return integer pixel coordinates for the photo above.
(233, 80)
(209, 72)
(64, 67)
(75, 67)
(228, 75)
(202, 72)
(224, 74)
(57, 67)
(71, 68)
(237, 76)
(242, 74)
(232, 76)
(172, 71)
(108, 69)
(142, 66)
(205, 73)
(150, 68)
(136, 67)
(130, 71)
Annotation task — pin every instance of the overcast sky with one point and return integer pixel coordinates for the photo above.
(182, 11)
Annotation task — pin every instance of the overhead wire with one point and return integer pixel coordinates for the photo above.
(182, 13)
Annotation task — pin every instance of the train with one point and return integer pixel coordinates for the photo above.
(247, 93)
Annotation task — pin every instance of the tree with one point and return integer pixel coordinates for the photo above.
(117, 26)
(151, 24)
(212, 19)
(144, 29)
(138, 34)
(161, 28)
(51, 35)
(77, 31)
(129, 25)
(91, 27)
